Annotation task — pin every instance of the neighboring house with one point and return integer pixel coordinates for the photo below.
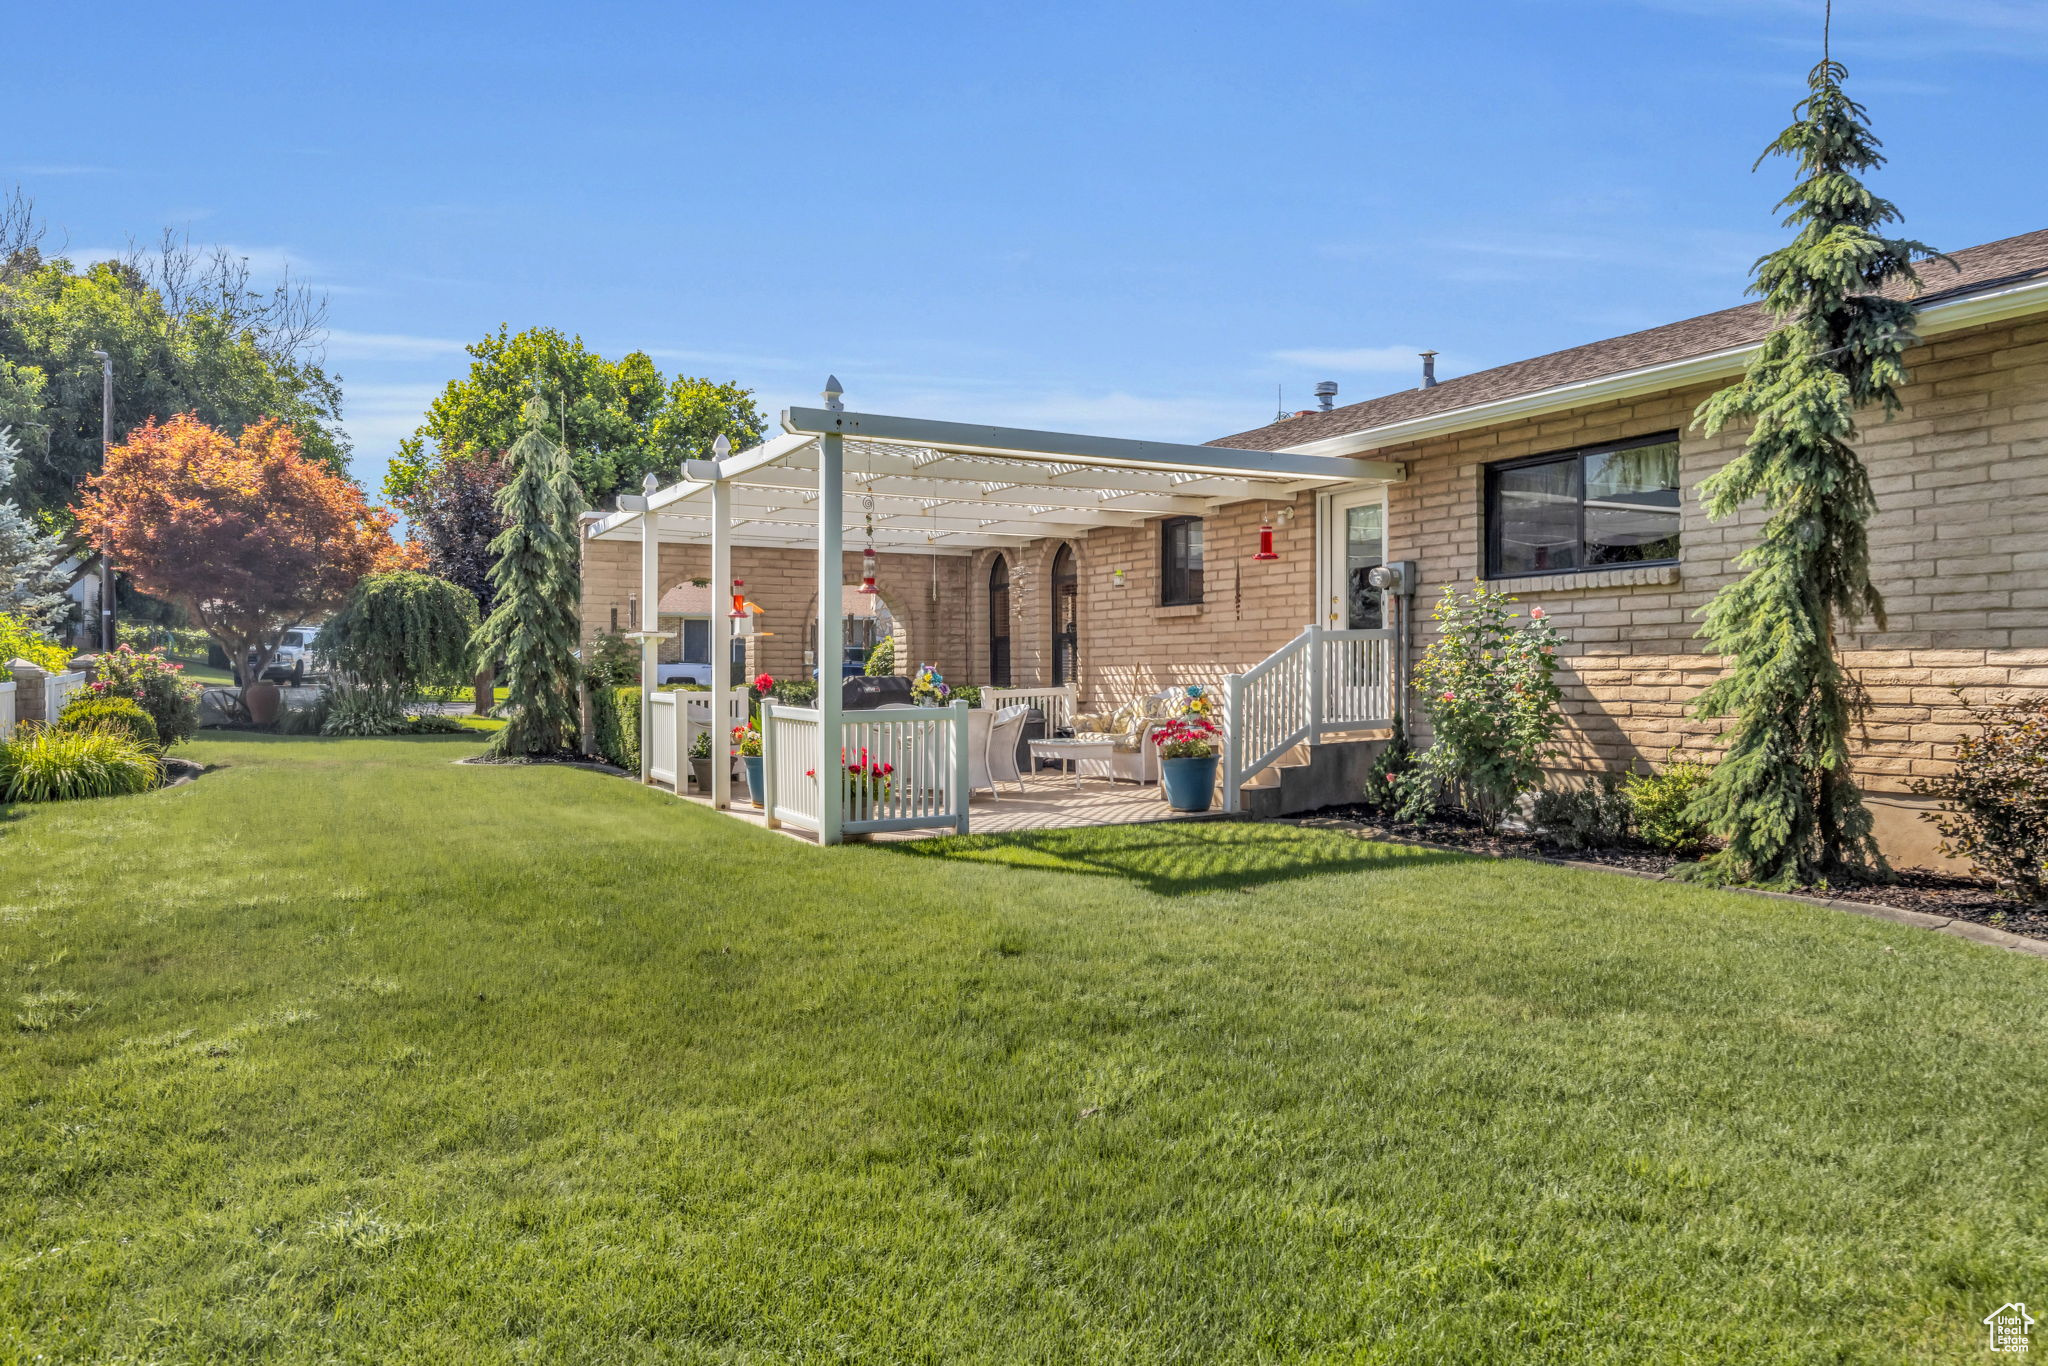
(1570, 479)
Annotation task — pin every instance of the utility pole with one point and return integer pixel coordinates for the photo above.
(106, 444)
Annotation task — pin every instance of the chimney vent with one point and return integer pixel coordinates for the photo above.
(1326, 394)
(1429, 369)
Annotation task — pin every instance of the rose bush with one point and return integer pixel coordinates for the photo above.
(1489, 691)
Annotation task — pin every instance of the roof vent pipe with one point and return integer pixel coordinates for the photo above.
(1429, 369)
(1326, 393)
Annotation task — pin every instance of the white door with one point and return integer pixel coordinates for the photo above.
(1352, 538)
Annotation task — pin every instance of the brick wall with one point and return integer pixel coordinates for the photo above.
(1959, 548)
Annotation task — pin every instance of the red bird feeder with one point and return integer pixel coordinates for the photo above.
(739, 600)
(867, 571)
(1266, 551)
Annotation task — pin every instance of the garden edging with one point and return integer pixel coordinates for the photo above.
(1960, 928)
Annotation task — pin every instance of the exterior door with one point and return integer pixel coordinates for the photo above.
(1353, 537)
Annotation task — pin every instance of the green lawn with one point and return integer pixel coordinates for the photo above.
(346, 1053)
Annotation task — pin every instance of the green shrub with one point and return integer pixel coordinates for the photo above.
(305, 718)
(882, 659)
(1995, 800)
(1488, 688)
(1660, 802)
(612, 660)
(608, 705)
(17, 641)
(360, 712)
(156, 683)
(48, 764)
(92, 711)
(1387, 775)
(970, 693)
(796, 692)
(1590, 815)
(434, 723)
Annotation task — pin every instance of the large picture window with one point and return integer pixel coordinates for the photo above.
(1591, 508)
(1180, 561)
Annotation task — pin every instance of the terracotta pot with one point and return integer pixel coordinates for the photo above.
(264, 701)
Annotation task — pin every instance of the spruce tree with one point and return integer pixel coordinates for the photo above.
(533, 627)
(1782, 798)
(31, 584)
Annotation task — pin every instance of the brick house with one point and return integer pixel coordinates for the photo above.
(1569, 479)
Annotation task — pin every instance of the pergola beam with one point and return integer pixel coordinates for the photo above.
(968, 438)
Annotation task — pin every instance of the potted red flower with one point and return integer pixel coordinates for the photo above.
(746, 742)
(1187, 761)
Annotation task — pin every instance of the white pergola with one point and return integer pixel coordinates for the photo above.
(934, 488)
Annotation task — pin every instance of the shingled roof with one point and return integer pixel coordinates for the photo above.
(1990, 266)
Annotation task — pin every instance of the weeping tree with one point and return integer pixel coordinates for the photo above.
(399, 634)
(533, 626)
(1782, 798)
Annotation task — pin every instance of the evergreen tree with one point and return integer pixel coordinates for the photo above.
(31, 584)
(1782, 798)
(533, 627)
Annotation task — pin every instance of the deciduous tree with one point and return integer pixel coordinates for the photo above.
(247, 535)
(453, 513)
(620, 419)
(401, 632)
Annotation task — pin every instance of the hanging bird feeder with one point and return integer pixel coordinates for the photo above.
(867, 554)
(1266, 551)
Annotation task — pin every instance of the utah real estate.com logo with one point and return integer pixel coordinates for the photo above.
(2008, 1325)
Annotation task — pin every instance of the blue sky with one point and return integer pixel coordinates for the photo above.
(1126, 218)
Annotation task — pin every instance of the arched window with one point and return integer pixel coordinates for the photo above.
(999, 623)
(1066, 618)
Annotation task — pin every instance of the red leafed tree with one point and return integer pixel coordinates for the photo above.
(248, 536)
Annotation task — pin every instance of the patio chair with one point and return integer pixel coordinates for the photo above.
(979, 726)
(1128, 730)
(1006, 725)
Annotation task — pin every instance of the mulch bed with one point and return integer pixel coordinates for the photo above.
(559, 760)
(1911, 889)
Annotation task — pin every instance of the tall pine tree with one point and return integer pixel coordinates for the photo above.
(533, 627)
(31, 585)
(1782, 798)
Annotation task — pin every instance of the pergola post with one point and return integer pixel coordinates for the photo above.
(831, 623)
(650, 644)
(721, 645)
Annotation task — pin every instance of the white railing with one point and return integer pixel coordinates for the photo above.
(658, 746)
(6, 709)
(1057, 704)
(1321, 681)
(57, 690)
(925, 748)
(697, 719)
(790, 755)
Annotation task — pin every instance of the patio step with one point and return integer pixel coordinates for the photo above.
(1327, 774)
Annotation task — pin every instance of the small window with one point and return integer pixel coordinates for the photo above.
(696, 640)
(1180, 561)
(1592, 508)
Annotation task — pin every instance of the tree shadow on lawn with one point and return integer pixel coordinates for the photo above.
(1174, 858)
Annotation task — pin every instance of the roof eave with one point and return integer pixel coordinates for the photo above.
(1948, 315)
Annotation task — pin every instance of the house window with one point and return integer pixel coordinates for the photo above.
(1591, 508)
(1180, 561)
(999, 623)
(1066, 618)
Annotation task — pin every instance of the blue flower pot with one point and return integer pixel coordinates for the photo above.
(750, 764)
(1190, 783)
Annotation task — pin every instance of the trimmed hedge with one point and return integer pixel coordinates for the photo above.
(118, 714)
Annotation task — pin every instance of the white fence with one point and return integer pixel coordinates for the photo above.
(57, 690)
(924, 747)
(1321, 681)
(659, 744)
(1056, 704)
(6, 709)
(790, 760)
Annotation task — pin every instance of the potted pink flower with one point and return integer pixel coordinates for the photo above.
(746, 742)
(1187, 760)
